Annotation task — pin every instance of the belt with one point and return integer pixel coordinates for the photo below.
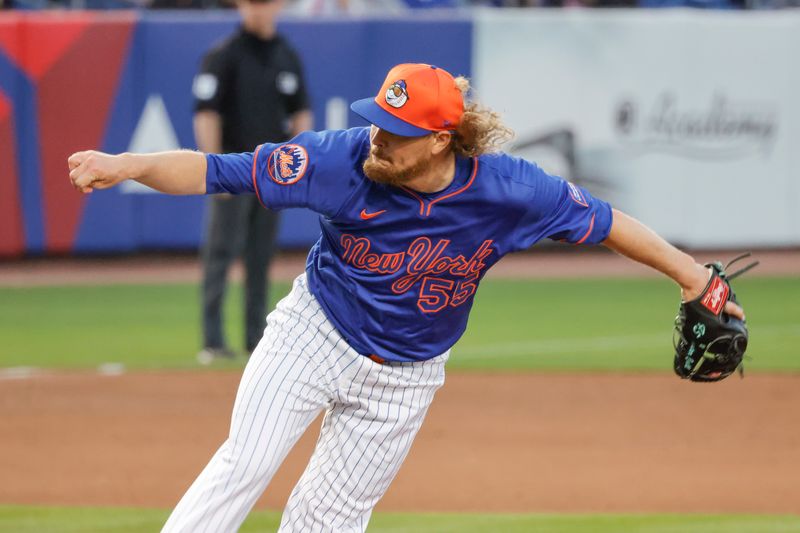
(377, 359)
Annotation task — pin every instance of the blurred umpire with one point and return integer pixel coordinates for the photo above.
(250, 90)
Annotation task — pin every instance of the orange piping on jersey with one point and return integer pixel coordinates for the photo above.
(459, 191)
(377, 358)
(427, 212)
(591, 227)
(255, 185)
(421, 201)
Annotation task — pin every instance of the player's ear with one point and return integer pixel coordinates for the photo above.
(441, 142)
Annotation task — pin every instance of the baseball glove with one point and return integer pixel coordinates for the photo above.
(709, 343)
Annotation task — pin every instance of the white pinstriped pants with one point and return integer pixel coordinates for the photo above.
(301, 366)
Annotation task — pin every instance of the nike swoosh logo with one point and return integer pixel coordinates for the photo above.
(367, 216)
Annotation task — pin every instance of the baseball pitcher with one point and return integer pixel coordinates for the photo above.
(413, 211)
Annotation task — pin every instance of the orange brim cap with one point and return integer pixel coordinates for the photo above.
(415, 99)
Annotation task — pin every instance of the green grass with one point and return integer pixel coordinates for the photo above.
(613, 325)
(543, 325)
(24, 519)
(141, 326)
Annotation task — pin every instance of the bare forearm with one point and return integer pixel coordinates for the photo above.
(634, 240)
(176, 172)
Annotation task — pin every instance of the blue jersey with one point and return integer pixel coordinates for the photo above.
(396, 270)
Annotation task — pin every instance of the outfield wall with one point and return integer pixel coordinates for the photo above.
(689, 120)
(685, 119)
(77, 80)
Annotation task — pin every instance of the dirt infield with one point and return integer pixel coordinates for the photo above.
(501, 442)
(498, 442)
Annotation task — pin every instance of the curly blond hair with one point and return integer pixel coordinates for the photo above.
(481, 130)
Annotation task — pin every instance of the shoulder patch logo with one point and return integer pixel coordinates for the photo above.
(397, 94)
(287, 164)
(576, 195)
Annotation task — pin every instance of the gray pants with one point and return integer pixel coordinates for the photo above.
(236, 225)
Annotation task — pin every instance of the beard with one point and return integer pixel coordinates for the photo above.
(383, 171)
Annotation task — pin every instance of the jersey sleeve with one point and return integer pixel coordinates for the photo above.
(557, 209)
(211, 84)
(316, 170)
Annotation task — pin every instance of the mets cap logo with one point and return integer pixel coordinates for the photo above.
(287, 164)
(397, 94)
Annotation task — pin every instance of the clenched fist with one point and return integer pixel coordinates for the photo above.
(91, 170)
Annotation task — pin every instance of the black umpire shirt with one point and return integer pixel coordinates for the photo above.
(255, 85)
